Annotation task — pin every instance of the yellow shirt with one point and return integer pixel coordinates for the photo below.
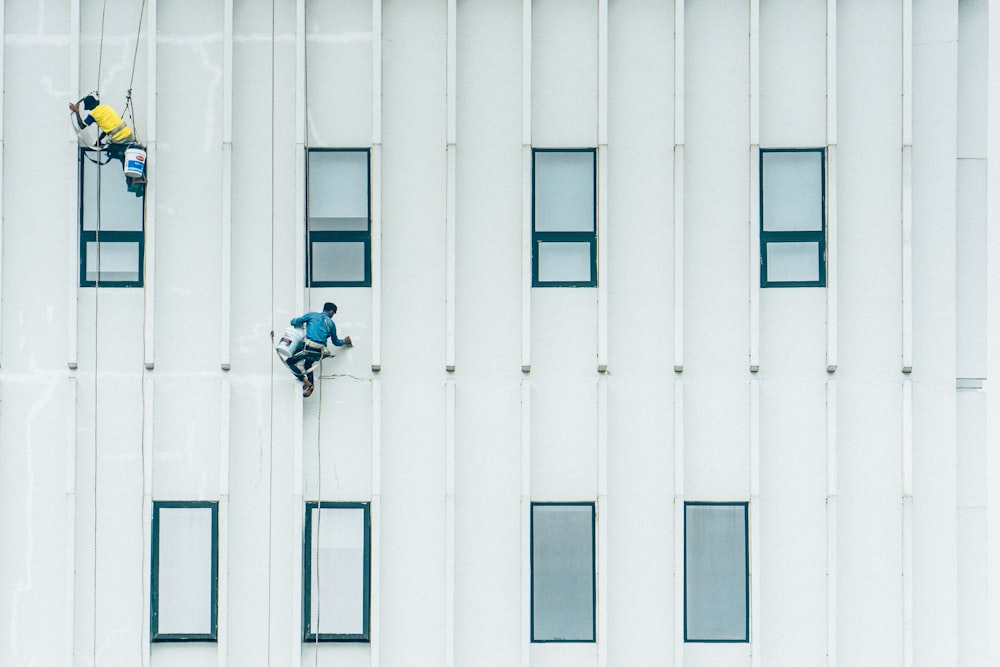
(108, 119)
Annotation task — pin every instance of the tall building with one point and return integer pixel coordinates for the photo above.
(675, 330)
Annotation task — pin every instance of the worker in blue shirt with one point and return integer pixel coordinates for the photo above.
(319, 327)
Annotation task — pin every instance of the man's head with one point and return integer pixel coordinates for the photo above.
(90, 102)
(330, 308)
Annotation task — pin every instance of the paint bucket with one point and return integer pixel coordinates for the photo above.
(135, 162)
(290, 343)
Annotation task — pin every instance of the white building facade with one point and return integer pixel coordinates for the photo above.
(675, 326)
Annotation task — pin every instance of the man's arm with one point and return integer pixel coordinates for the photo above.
(80, 122)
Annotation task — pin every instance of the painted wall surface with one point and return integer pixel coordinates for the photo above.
(872, 489)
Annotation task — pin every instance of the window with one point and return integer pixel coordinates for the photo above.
(564, 219)
(338, 210)
(716, 573)
(184, 592)
(111, 225)
(563, 589)
(337, 558)
(792, 218)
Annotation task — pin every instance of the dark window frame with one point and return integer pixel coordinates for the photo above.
(537, 237)
(593, 560)
(154, 634)
(813, 236)
(307, 552)
(746, 541)
(106, 236)
(328, 236)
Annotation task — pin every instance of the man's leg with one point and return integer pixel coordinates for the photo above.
(293, 364)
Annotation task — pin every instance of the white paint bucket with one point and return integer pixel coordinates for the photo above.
(135, 162)
(290, 343)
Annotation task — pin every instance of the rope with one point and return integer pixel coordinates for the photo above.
(270, 471)
(135, 57)
(100, 50)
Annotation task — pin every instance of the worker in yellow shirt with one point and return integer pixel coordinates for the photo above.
(113, 128)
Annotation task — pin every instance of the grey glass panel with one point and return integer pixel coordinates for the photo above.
(564, 191)
(562, 574)
(338, 184)
(793, 262)
(715, 543)
(793, 191)
(338, 224)
(338, 576)
(120, 209)
(117, 261)
(338, 262)
(185, 570)
(564, 262)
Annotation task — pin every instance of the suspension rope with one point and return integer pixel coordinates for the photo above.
(270, 448)
(100, 50)
(135, 57)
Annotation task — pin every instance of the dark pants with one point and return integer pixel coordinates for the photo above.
(310, 355)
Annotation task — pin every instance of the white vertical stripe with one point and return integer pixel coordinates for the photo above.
(147, 559)
(755, 545)
(993, 333)
(907, 257)
(832, 322)
(526, 251)
(678, 185)
(148, 394)
(227, 186)
(907, 521)
(602, 186)
(449, 550)
(831, 522)
(907, 187)
(831, 71)
(525, 523)
(450, 202)
(603, 518)
(602, 258)
(526, 245)
(69, 522)
(376, 525)
(301, 67)
(678, 442)
(753, 202)
(225, 410)
(376, 185)
(450, 254)
(149, 254)
(297, 518)
(72, 213)
(377, 72)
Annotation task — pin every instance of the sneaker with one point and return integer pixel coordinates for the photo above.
(307, 392)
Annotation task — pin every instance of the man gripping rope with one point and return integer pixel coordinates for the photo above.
(319, 327)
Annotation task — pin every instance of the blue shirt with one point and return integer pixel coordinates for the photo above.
(319, 327)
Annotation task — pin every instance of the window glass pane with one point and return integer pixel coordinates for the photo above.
(793, 191)
(117, 261)
(338, 224)
(338, 185)
(185, 570)
(793, 261)
(564, 262)
(338, 261)
(120, 209)
(715, 577)
(562, 572)
(564, 191)
(338, 576)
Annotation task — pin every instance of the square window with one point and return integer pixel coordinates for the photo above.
(337, 577)
(111, 224)
(716, 572)
(184, 592)
(564, 217)
(338, 210)
(563, 577)
(792, 218)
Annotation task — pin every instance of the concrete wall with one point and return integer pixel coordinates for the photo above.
(857, 420)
